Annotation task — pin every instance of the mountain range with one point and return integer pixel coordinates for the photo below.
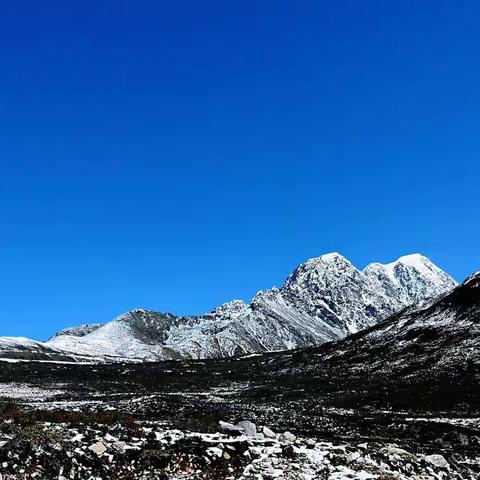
(324, 299)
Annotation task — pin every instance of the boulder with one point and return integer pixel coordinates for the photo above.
(289, 437)
(400, 452)
(268, 433)
(227, 427)
(436, 460)
(98, 448)
(351, 457)
(247, 427)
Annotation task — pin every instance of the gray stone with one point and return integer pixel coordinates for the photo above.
(227, 427)
(289, 437)
(400, 452)
(268, 433)
(98, 448)
(351, 457)
(119, 446)
(247, 427)
(436, 460)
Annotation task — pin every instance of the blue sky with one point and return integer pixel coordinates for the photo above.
(176, 155)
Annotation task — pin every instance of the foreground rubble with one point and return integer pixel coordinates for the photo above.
(62, 451)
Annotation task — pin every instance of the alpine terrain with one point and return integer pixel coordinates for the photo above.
(324, 299)
(399, 400)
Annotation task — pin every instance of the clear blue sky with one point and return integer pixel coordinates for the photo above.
(176, 155)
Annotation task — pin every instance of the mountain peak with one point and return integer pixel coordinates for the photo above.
(232, 307)
(328, 260)
(413, 257)
(315, 270)
(411, 278)
(416, 260)
(324, 299)
(330, 257)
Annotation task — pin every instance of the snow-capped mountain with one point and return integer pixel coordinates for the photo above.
(411, 278)
(425, 357)
(324, 299)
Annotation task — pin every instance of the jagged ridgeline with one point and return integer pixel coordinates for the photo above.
(324, 299)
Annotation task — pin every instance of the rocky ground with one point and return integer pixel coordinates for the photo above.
(79, 446)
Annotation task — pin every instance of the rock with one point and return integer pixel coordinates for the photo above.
(226, 456)
(399, 452)
(289, 437)
(228, 427)
(119, 447)
(268, 433)
(436, 460)
(248, 428)
(99, 448)
(256, 450)
(351, 457)
(394, 451)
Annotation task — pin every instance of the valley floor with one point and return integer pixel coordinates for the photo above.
(165, 421)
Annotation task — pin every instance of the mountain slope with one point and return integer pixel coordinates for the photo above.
(426, 357)
(78, 331)
(20, 348)
(324, 299)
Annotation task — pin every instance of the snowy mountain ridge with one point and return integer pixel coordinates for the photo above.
(324, 299)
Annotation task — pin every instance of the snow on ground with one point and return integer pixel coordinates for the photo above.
(22, 391)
